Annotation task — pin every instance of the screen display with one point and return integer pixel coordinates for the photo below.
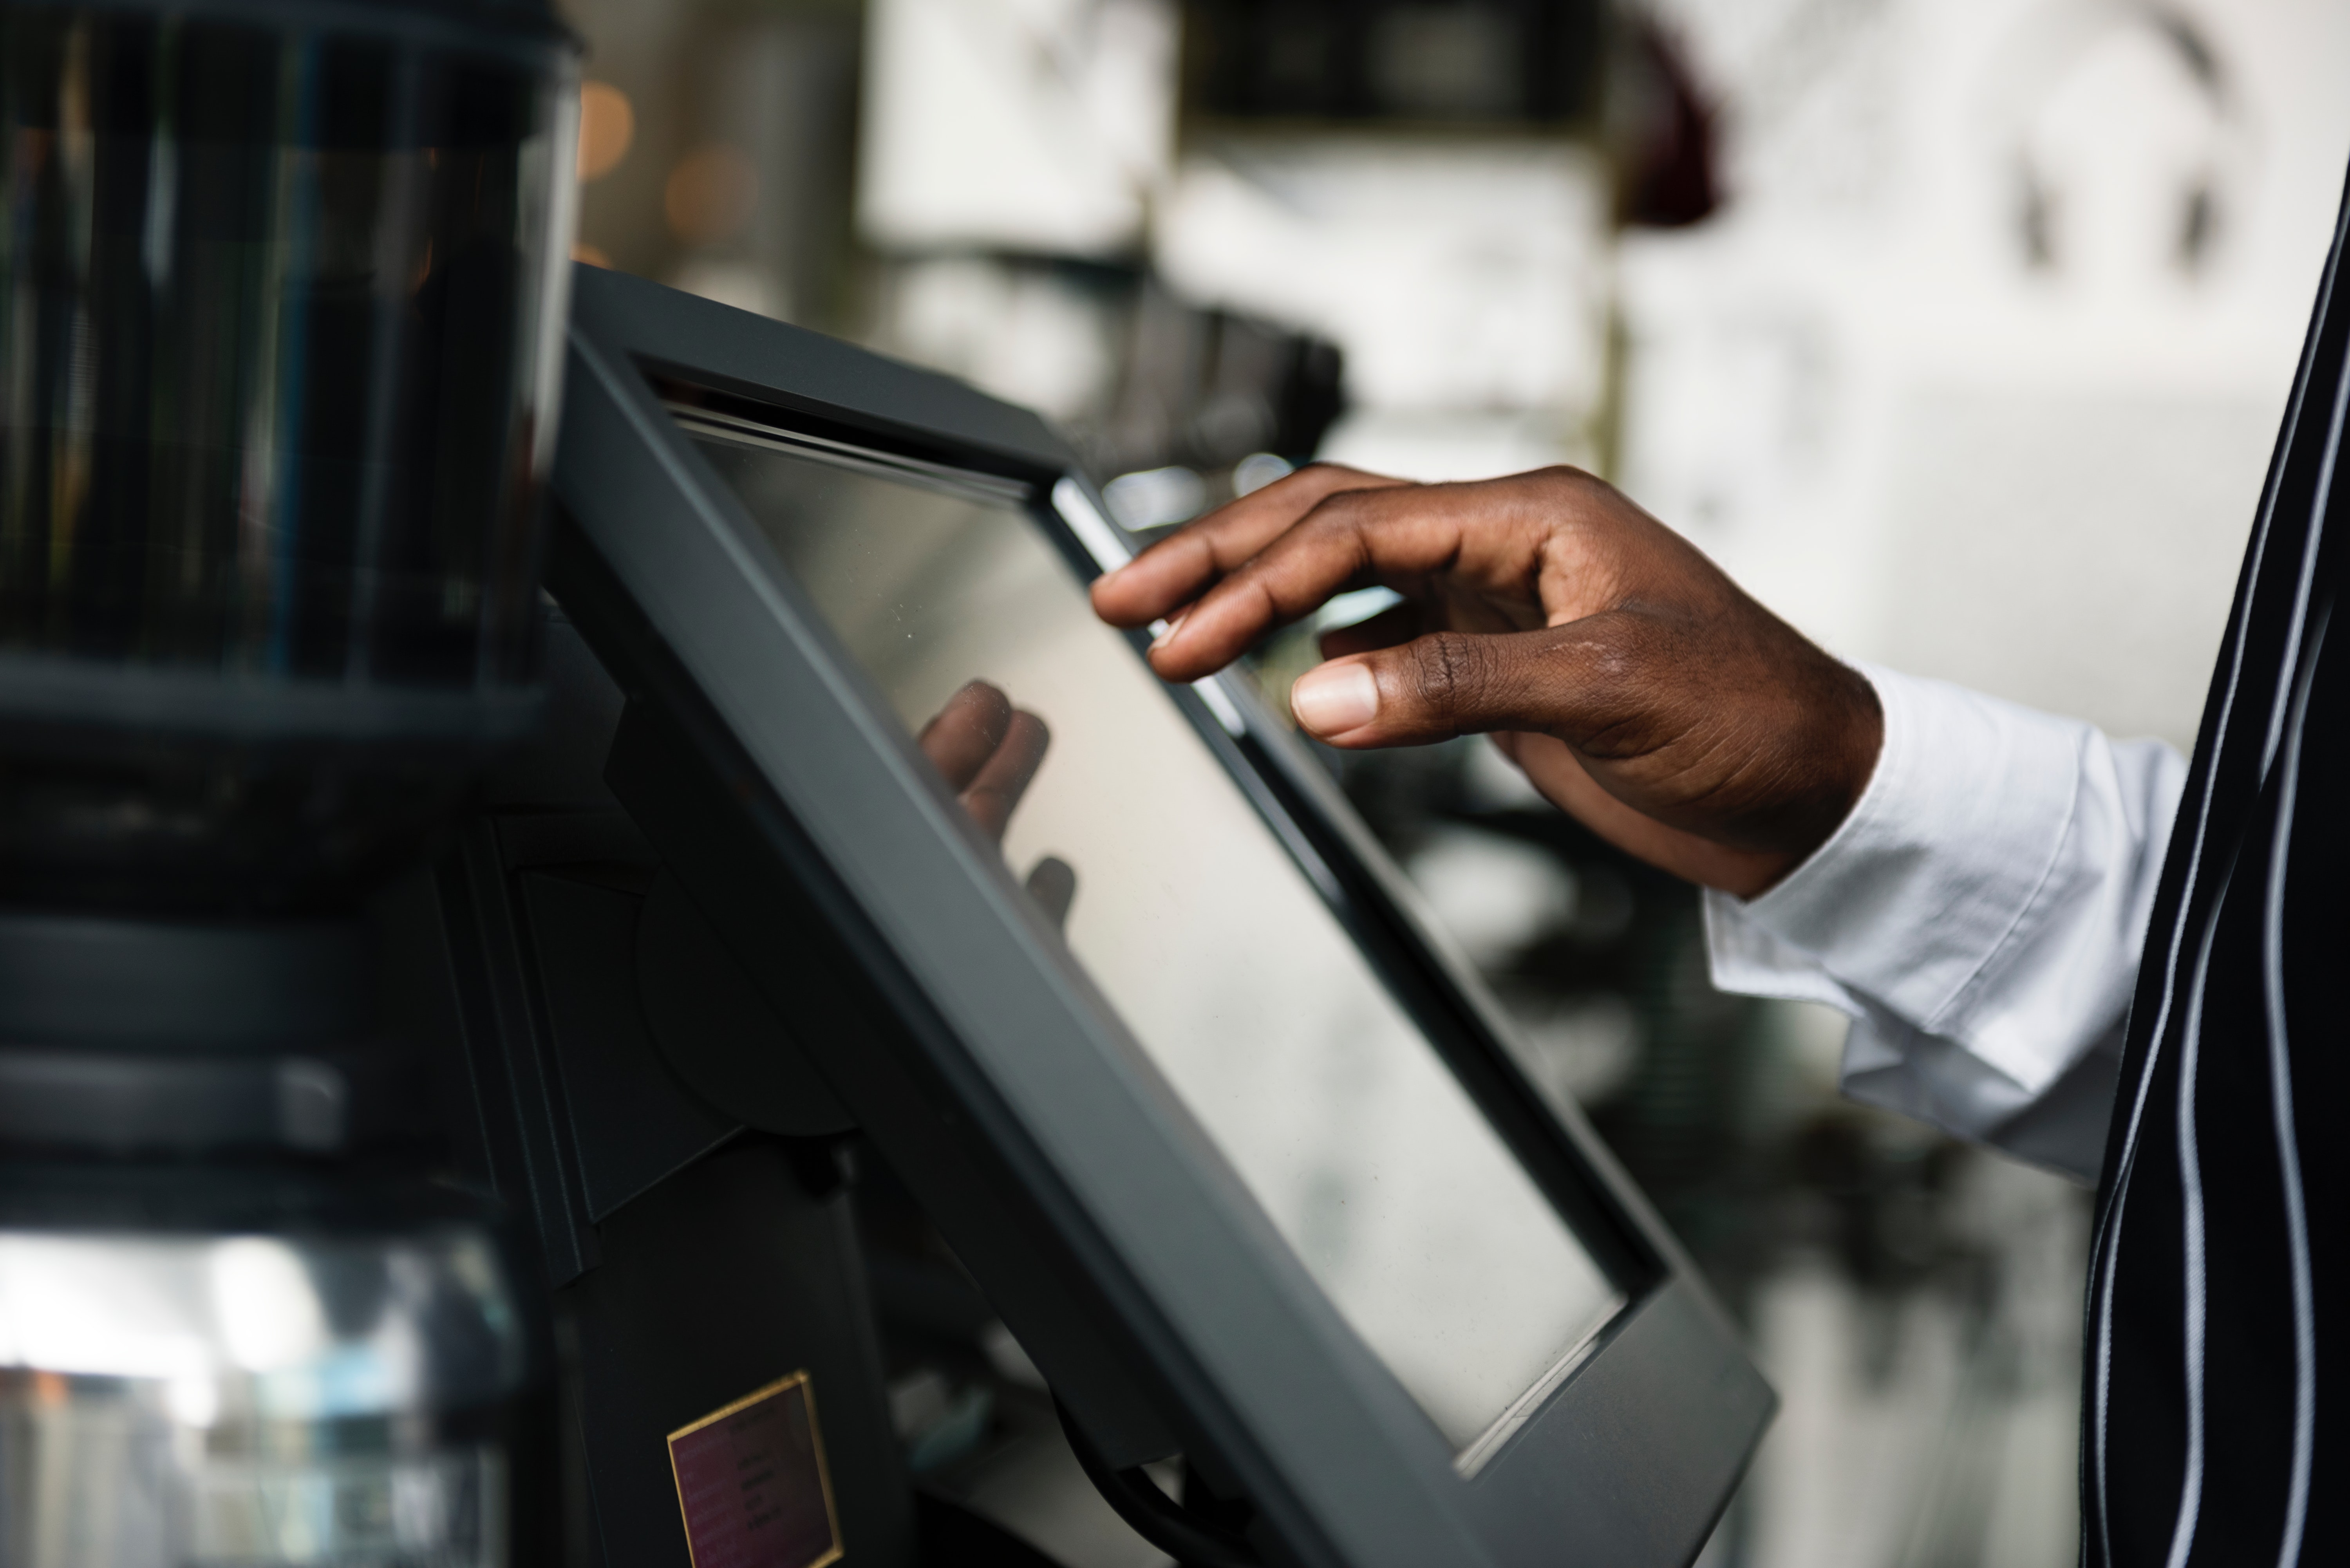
(1181, 901)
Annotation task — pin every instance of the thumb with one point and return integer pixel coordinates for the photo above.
(1436, 687)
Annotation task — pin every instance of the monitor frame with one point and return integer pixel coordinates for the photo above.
(1118, 1243)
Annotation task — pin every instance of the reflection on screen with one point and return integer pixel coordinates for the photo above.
(1237, 979)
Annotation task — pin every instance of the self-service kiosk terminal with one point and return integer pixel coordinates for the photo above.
(852, 818)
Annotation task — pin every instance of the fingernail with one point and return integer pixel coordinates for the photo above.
(1166, 629)
(1335, 698)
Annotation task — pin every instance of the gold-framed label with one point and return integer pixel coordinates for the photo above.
(752, 1484)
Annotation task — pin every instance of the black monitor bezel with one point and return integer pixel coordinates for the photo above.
(1629, 1459)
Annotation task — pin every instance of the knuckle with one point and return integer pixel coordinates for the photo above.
(1319, 545)
(1564, 489)
(1339, 524)
(1343, 509)
(1453, 672)
(1325, 527)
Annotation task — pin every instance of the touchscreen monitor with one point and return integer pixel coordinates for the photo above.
(1209, 938)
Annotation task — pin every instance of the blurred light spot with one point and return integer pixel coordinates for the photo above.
(710, 193)
(1154, 497)
(1353, 609)
(607, 124)
(592, 255)
(1009, 1358)
(269, 1312)
(1584, 1049)
(918, 1401)
(1259, 469)
(1495, 895)
(193, 1401)
(68, 1306)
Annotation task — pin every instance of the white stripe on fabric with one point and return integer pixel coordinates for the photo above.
(2288, 1138)
(2105, 1252)
(2190, 1189)
(2111, 1263)
(2301, 589)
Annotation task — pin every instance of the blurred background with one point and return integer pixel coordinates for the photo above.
(1958, 329)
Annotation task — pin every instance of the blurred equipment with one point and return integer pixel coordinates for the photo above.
(1463, 280)
(1430, 187)
(1532, 61)
(1176, 399)
(280, 303)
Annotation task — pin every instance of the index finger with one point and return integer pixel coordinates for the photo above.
(1179, 568)
(1387, 536)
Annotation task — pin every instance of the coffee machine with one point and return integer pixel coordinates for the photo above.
(281, 297)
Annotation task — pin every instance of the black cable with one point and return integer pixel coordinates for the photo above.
(1193, 1541)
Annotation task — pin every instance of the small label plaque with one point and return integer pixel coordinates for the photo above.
(752, 1482)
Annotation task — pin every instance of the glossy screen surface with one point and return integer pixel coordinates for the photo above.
(1239, 983)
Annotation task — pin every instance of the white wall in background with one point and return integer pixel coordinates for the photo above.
(1025, 125)
(1979, 372)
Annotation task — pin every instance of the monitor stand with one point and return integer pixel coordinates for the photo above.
(725, 1361)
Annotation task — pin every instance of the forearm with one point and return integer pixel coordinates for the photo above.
(1979, 915)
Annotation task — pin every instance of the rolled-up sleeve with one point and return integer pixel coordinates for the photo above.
(1979, 916)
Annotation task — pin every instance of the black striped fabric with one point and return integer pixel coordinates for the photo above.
(2213, 1404)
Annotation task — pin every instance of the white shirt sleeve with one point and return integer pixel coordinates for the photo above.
(1978, 916)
